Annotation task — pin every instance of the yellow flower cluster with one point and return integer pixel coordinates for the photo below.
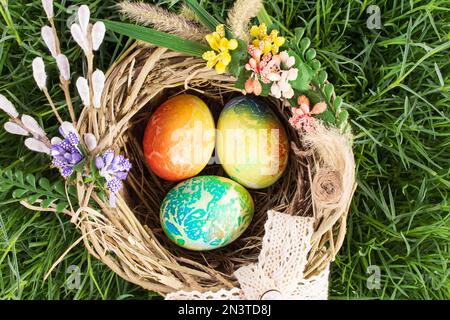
(272, 42)
(219, 57)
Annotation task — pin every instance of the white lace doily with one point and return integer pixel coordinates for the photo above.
(278, 274)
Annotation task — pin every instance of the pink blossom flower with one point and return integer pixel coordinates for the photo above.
(259, 65)
(302, 118)
(281, 73)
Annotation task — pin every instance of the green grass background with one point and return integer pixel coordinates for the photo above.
(395, 82)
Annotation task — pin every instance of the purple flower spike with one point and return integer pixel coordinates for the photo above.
(114, 169)
(65, 152)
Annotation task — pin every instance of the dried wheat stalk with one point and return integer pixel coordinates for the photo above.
(162, 20)
(240, 15)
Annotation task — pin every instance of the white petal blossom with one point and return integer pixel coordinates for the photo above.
(8, 107)
(36, 145)
(49, 38)
(39, 72)
(31, 124)
(14, 128)
(98, 34)
(63, 66)
(83, 90)
(98, 84)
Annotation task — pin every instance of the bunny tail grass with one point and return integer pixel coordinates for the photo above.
(240, 15)
(162, 20)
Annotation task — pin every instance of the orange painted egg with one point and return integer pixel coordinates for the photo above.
(179, 138)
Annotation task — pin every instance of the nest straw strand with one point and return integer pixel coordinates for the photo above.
(129, 238)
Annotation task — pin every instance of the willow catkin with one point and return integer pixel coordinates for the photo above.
(162, 20)
(240, 15)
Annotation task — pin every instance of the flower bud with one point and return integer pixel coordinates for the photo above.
(63, 66)
(31, 124)
(8, 107)
(48, 8)
(39, 72)
(14, 128)
(36, 145)
(98, 34)
(83, 90)
(49, 38)
(98, 83)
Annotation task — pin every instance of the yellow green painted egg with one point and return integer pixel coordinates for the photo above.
(179, 138)
(252, 144)
(206, 212)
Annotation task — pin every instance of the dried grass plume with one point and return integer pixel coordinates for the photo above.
(162, 20)
(240, 15)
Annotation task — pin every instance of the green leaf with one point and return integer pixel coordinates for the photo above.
(19, 193)
(342, 118)
(205, 18)
(158, 38)
(322, 77)
(47, 202)
(19, 176)
(59, 187)
(299, 32)
(9, 174)
(310, 54)
(328, 91)
(5, 187)
(315, 64)
(265, 89)
(237, 56)
(45, 184)
(31, 180)
(304, 45)
(61, 206)
(243, 76)
(305, 74)
(33, 198)
(328, 117)
(337, 103)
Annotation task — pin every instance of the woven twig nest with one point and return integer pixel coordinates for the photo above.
(318, 182)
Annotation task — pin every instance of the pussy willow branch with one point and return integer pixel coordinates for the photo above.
(66, 89)
(90, 61)
(50, 101)
(64, 84)
(55, 35)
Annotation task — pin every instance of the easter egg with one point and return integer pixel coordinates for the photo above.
(179, 138)
(206, 212)
(252, 144)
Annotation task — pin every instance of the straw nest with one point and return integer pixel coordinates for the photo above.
(319, 181)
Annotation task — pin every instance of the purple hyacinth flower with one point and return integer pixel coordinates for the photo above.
(114, 169)
(65, 152)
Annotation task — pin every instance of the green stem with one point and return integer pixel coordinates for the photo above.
(7, 17)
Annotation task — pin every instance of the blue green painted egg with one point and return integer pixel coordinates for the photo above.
(206, 212)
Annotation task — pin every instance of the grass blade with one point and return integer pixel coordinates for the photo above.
(157, 38)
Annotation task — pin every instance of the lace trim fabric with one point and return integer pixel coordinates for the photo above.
(278, 274)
